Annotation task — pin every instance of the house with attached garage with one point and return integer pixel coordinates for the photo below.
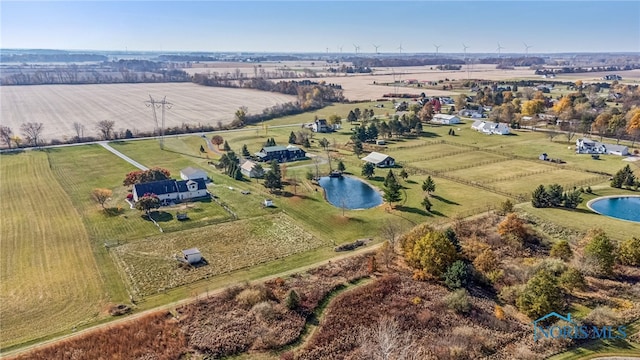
(380, 160)
(490, 128)
(588, 146)
(172, 190)
(280, 153)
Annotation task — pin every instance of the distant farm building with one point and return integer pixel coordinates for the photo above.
(321, 126)
(445, 119)
(170, 190)
(588, 146)
(192, 256)
(267, 203)
(612, 77)
(489, 128)
(281, 153)
(191, 173)
(474, 114)
(248, 169)
(380, 160)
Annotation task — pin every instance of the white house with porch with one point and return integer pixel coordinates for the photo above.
(588, 146)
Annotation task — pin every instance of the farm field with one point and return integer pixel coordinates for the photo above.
(59, 106)
(48, 273)
(151, 265)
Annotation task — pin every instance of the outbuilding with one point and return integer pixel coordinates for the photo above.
(380, 160)
(192, 173)
(192, 256)
(445, 119)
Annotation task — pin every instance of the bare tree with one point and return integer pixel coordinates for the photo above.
(551, 134)
(105, 127)
(570, 131)
(387, 341)
(32, 132)
(5, 135)
(390, 230)
(79, 128)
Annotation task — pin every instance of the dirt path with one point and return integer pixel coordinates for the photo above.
(124, 157)
(13, 353)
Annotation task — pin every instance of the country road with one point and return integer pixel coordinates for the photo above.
(124, 157)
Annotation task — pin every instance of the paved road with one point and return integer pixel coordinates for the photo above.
(124, 157)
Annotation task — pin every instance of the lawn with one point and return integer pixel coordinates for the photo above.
(508, 170)
(151, 265)
(467, 159)
(567, 178)
(48, 275)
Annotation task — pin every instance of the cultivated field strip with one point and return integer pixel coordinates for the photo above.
(48, 276)
(59, 106)
(152, 267)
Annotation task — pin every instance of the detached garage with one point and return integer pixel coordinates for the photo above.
(191, 173)
(445, 119)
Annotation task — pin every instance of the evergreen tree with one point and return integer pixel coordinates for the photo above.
(429, 185)
(368, 170)
(456, 275)
(357, 147)
(352, 117)
(306, 143)
(426, 203)
(226, 146)
(392, 189)
(404, 175)
(540, 197)
(245, 151)
(450, 234)
(128, 135)
(555, 195)
(292, 138)
(600, 251)
(341, 166)
(624, 177)
(372, 132)
(202, 149)
(572, 199)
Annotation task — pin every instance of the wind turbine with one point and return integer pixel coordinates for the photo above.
(376, 46)
(400, 48)
(437, 47)
(499, 48)
(340, 48)
(465, 47)
(356, 47)
(526, 49)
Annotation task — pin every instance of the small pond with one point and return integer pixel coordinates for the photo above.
(621, 207)
(350, 193)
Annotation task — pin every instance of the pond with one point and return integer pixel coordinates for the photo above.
(620, 207)
(350, 193)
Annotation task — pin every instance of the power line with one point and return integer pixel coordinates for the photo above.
(162, 104)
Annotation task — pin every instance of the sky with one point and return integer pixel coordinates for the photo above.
(314, 26)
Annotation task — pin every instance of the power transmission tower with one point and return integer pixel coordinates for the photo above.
(163, 104)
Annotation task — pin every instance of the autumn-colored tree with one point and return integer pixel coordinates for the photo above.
(432, 253)
(532, 107)
(217, 140)
(633, 124)
(101, 195)
(617, 126)
(148, 202)
(601, 124)
(572, 279)
(505, 207)
(426, 113)
(563, 105)
(335, 119)
(512, 225)
(145, 176)
(486, 261)
(461, 101)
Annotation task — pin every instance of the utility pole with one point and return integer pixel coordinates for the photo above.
(163, 104)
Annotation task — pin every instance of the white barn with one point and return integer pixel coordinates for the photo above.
(445, 119)
(191, 173)
(248, 169)
(379, 160)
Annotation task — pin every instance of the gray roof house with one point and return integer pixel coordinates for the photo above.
(169, 190)
(379, 160)
(588, 146)
(280, 153)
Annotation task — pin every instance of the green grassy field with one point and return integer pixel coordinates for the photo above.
(49, 275)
